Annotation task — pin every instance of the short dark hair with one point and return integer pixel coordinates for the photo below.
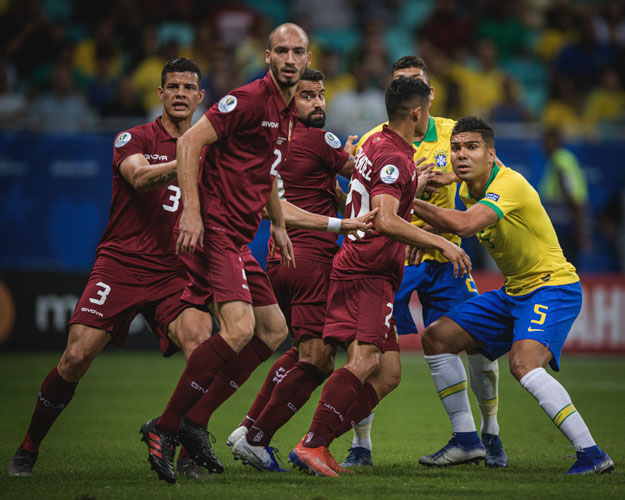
(405, 94)
(475, 124)
(180, 65)
(312, 75)
(411, 62)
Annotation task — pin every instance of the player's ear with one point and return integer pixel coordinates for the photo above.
(160, 92)
(267, 56)
(492, 155)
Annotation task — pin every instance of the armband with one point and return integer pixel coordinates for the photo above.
(334, 224)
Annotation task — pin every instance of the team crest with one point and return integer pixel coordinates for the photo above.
(332, 140)
(227, 103)
(440, 157)
(123, 139)
(389, 174)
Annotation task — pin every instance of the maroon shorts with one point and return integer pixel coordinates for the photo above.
(115, 294)
(302, 294)
(361, 309)
(223, 271)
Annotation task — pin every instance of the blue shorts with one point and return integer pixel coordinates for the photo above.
(498, 320)
(439, 292)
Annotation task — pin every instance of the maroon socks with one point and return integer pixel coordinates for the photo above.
(288, 396)
(276, 372)
(205, 362)
(54, 396)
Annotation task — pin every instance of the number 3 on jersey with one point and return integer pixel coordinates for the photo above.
(357, 202)
(174, 198)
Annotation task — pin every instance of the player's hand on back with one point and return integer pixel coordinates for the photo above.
(191, 229)
(440, 179)
(282, 242)
(458, 257)
(358, 226)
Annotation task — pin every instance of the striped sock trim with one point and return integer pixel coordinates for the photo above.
(563, 414)
(452, 389)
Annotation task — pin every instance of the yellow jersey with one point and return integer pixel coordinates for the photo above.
(435, 147)
(522, 242)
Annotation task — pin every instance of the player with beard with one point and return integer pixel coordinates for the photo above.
(306, 179)
(249, 132)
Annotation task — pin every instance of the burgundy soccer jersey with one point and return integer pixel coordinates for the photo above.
(139, 232)
(384, 165)
(254, 126)
(307, 179)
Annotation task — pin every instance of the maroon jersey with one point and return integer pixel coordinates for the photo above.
(254, 126)
(384, 165)
(307, 179)
(139, 232)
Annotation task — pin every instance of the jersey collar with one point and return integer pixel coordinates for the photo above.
(161, 133)
(397, 140)
(430, 134)
(493, 174)
(276, 94)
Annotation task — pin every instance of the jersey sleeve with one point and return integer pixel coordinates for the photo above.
(237, 110)
(505, 195)
(128, 143)
(389, 175)
(366, 136)
(330, 151)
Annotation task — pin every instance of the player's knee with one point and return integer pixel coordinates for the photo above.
(519, 367)
(430, 342)
(273, 332)
(74, 363)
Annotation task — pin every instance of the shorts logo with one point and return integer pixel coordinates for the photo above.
(123, 139)
(492, 196)
(389, 174)
(332, 140)
(92, 311)
(227, 103)
(441, 159)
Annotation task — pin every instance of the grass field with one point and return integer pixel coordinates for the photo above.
(94, 451)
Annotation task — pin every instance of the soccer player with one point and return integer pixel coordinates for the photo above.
(367, 272)
(439, 291)
(248, 133)
(307, 179)
(530, 316)
(136, 269)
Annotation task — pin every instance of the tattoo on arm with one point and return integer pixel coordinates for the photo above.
(161, 179)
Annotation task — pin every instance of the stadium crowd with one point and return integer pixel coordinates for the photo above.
(536, 61)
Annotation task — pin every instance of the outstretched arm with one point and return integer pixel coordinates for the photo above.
(143, 177)
(464, 223)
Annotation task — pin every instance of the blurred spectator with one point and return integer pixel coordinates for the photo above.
(511, 108)
(102, 86)
(103, 41)
(480, 83)
(203, 47)
(41, 76)
(606, 102)
(583, 60)
(125, 102)
(502, 25)
(564, 108)
(559, 31)
(609, 24)
(61, 107)
(384, 12)
(564, 194)
(336, 79)
(233, 22)
(449, 26)
(355, 111)
(12, 103)
(372, 49)
(249, 56)
(438, 64)
(332, 15)
(220, 80)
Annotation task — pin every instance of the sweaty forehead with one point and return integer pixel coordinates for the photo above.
(306, 86)
(181, 77)
(289, 37)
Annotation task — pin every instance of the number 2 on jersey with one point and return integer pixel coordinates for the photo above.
(363, 204)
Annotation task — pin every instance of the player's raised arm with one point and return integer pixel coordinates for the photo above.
(188, 154)
(388, 223)
(143, 177)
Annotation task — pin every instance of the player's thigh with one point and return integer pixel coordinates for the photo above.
(84, 343)
(388, 376)
(270, 325)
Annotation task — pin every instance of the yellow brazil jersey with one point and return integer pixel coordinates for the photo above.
(435, 147)
(522, 242)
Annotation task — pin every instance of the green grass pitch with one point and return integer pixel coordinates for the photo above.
(94, 451)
